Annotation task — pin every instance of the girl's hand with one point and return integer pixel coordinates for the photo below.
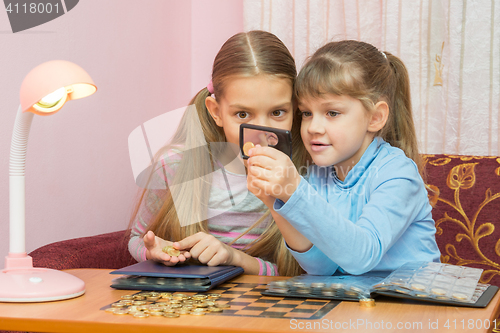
(271, 173)
(207, 249)
(154, 246)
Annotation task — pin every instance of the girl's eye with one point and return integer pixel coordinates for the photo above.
(332, 114)
(305, 114)
(242, 115)
(278, 113)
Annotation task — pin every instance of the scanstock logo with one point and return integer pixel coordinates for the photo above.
(26, 14)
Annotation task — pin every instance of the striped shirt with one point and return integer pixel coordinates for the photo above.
(231, 210)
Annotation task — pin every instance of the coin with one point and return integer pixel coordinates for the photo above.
(223, 306)
(367, 302)
(438, 291)
(171, 251)
(198, 313)
(120, 312)
(183, 311)
(140, 315)
(118, 305)
(127, 297)
(198, 310)
(156, 314)
(460, 296)
(214, 309)
(247, 146)
(417, 286)
(171, 315)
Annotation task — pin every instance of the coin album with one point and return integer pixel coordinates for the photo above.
(424, 281)
(150, 275)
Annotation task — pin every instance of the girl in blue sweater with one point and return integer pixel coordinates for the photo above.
(362, 205)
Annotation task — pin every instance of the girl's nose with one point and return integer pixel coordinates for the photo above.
(315, 126)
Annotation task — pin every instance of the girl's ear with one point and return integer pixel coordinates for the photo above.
(214, 110)
(378, 117)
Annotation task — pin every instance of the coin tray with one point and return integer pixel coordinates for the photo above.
(435, 280)
(423, 281)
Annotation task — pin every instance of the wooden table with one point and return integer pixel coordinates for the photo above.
(83, 314)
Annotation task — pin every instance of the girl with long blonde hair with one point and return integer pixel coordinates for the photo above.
(196, 198)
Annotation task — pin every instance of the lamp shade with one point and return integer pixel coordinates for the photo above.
(49, 77)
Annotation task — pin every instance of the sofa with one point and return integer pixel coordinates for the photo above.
(464, 192)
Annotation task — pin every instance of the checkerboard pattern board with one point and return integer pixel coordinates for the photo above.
(246, 300)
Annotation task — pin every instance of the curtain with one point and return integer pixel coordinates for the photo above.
(450, 47)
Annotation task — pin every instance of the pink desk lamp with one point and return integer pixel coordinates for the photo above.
(43, 92)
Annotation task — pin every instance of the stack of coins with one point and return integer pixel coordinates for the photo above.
(156, 304)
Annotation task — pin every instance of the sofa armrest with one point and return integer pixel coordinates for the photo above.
(101, 251)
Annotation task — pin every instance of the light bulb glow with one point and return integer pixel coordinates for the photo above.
(53, 98)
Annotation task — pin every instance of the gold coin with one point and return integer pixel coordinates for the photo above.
(200, 297)
(110, 310)
(213, 309)
(367, 302)
(171, 251)
(417, 286)
(169, 311)
(198, 313)
(438, 291)
(247, 146)
(223, 306)
(118, 305)
(171, 315)
(183, 312)
(156, 314)
(460, 296)
(201, 305)
(155, 309)
(198, 310)
(140, 315)
(127, 297)
(120, 312)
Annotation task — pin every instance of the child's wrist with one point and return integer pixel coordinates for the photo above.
(235, 257)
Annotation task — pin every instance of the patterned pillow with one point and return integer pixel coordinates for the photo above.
(465, 194)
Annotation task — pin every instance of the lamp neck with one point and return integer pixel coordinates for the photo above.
(19, 144)
(17, 193)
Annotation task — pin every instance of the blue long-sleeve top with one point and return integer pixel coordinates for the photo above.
(377, 219)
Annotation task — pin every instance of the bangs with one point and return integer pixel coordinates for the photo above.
(322, 75)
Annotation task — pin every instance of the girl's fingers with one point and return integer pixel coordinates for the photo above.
(219, 258)
(207, 254)
(149, 240)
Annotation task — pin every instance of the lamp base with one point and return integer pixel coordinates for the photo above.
(30, 284)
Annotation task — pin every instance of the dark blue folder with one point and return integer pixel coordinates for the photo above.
(150, 275)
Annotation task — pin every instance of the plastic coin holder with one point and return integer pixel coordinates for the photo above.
(436, 281)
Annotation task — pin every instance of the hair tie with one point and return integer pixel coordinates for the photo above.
(210, 87)
(383, 53)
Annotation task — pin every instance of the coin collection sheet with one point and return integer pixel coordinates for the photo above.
(425, 281)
